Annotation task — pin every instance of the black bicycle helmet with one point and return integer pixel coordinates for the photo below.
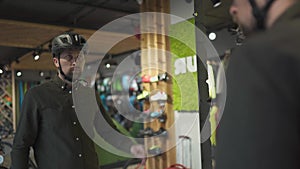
(68, 40)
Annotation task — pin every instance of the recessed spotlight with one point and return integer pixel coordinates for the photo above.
(107, 65)
(19, 73)
(42, 73)
(111, 64)
(212, 36)
(216, 3)
(36, 55)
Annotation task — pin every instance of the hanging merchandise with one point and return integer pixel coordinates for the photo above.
(117, 84)
(139, 83)
(25, 87)
(21, 93)
(157, 78)
(155, 150)
(162, 118)
(159, 96)
(211, 81)
(161, 132)
(148, 132)
(213, 95)
(163, 77)
(146, 79)
(133, 86)
(125, 82)
(213, 116)
(8, 100)
(143, 95)
(154, 79)
(156, 114)
(158, 101)
(185, 147)
(22, 89)
(6, 114)
(177, 166)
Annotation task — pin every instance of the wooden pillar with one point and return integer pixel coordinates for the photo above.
(155, 60)
(14, 99)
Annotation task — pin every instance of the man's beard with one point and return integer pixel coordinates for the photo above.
(74, 75)
(69, 76)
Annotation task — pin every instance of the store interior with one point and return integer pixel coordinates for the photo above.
(27, 28)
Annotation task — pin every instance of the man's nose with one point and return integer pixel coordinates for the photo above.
(74, 61)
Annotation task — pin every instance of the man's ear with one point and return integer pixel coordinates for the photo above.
(55, 61)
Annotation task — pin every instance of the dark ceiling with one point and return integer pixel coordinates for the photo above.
(85, 14)
(89, 14)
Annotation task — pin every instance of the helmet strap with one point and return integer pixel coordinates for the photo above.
(67, 78)
(260, 15)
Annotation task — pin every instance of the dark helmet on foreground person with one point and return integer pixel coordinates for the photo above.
(68, 40)
(260, 14)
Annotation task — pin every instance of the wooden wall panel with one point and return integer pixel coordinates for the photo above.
(155, 60)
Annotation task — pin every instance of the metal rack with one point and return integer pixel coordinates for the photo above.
(6, 110)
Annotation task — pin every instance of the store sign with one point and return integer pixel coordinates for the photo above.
(187, 64)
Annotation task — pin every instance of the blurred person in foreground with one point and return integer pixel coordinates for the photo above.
(260, 127)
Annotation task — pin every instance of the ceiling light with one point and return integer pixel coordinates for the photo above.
(107, 65)
(19, 73)
(216, 3)
(42, 73)
(1, 71)
(212, 36)
(111, 64)
(36, 55)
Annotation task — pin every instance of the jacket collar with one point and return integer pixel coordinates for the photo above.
(60, 83)
(291, 13)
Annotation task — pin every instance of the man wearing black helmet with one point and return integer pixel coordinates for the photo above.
(261, 122)
(49, 123)
(65, 50)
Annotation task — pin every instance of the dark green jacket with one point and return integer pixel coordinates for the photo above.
(260, 127)
(50, 125)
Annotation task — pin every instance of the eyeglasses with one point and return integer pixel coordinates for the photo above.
(69, 58)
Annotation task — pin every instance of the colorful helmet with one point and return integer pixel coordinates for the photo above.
(68, 40)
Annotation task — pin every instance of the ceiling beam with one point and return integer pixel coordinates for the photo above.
(118, 10)
(32, 35)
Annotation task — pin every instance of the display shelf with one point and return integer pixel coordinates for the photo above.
(6, 109)
(154, 61)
